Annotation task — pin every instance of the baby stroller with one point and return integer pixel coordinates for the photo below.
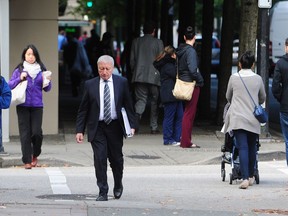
(230, 156)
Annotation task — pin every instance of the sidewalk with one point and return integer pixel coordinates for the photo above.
(143, 149)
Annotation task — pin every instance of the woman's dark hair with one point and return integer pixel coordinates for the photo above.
(286, 42)
(189, 33)
(247, 59)
(36, 54)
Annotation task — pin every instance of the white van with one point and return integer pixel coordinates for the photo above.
(278, 30)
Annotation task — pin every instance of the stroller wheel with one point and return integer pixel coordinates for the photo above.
(223, 174)
(257, 180)
(231, 178)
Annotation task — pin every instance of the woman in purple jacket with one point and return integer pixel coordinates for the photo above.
(30, 113)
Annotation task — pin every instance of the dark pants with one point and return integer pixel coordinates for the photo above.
(172, 122)
(246, 144)
(108, 143)
(30, 130)
(188, 119)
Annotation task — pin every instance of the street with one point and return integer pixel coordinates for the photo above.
(148, 190)
(158, 180)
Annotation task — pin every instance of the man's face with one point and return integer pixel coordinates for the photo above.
(105, 70)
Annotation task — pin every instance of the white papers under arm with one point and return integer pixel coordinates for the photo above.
(126, 123)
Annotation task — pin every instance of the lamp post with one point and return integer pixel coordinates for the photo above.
(263, 52)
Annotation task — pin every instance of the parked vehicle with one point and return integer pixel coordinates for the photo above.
(278, 32)
(215, 56)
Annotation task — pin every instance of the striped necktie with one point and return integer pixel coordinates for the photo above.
(107, 104)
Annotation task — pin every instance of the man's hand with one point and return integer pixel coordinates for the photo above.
(79, 137)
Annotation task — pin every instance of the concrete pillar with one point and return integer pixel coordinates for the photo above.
(4, 60)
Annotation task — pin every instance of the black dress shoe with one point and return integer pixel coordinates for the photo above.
(118, 192)
(102, 198)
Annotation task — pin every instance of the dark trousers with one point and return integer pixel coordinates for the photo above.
(108, 143)
(246, 144)
(30, 130)
(188, 119)
(172, 122)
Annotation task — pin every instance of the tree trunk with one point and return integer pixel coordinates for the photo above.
(205, 59)
(248, 25)
(151, 13)
(137, 16)
(225, 57)
(186, 17)
(167, 13)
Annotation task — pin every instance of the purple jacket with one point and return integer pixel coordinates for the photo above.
(34, 96)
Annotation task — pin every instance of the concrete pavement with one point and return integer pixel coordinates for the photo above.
(141, 150)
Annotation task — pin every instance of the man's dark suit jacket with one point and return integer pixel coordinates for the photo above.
(89, 109)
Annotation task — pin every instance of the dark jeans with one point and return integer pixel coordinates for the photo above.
(172, 122)
(30, 130)
(246, 144)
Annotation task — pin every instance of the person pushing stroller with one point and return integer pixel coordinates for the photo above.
(240, 118)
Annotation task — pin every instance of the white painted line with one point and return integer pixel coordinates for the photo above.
(57, 181)
(284, 171)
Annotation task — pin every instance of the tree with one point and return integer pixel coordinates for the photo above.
(205, 59)
(248, 25)
(167, 12)
(226, 51)
(186, 17)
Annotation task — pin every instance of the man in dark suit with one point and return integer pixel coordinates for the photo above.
(100, 110)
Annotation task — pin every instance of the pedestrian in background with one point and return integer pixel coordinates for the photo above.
(30, 113)
(5, 99)
(188, 71)
(280, 92)
(165, 63)
(75, 57)
(100, 109)
(92, 47)
(62, 40)
(240, 118)
(145, 77)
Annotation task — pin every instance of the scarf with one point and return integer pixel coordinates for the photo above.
(32, 69)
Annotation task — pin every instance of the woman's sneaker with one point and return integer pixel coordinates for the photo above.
(244, 184)
(251, 181)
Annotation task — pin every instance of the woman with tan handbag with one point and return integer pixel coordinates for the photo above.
(188, 71)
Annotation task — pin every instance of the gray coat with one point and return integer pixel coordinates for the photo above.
(240, 113)
(144, 50)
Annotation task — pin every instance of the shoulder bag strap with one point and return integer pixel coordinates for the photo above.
(177, 66)
(247, 89)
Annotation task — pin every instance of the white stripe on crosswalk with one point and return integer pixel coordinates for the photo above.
(57, 181)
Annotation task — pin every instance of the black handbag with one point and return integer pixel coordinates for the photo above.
(259, 112)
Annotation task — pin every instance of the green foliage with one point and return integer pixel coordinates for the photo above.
(113, 10)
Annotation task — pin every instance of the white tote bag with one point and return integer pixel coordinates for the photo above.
(19, 93)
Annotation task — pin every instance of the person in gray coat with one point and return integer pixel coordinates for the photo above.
(240, 118)
(145, 77)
